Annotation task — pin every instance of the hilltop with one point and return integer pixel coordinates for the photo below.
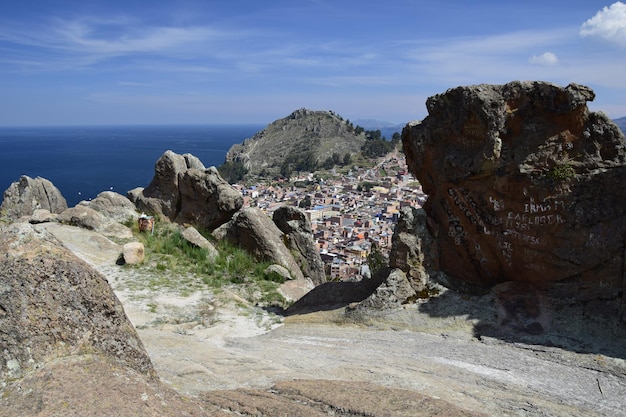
(299, 142)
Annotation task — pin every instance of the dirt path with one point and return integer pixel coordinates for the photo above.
(199, 343)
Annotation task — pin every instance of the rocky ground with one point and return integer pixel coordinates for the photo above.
(439, 357)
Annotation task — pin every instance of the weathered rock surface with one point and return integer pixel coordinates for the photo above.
(255, 232)
(88, 218)
(183, 190)
(298, 237)
(133, 253)
(191, 235)
(54, 305)
(114, 206)
(524, 184)
(26, 195)
(206, 199)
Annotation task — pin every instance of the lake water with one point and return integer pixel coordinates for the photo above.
(84, 161)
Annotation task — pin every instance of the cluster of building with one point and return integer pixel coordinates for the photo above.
(351, 214)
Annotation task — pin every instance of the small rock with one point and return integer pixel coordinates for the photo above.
(191, 235)
(278, 269)
(134, 253)
(42, 216)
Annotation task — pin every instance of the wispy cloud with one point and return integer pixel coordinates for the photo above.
(608, 24)
(88, 41)
(547, 58)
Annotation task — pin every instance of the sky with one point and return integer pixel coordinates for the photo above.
(239, 61)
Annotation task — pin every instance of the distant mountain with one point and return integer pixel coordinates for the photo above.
(621, 123)
(387, 129)
(299, 142)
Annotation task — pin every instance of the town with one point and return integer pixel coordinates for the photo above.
(352, 215)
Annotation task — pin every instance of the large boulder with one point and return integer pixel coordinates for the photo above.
(524, 184)
(184, 191)
(88, 218)
(26, 195)
(54, 305)
(113, 206)
(252, 230)
(66, 345)
(298, 237)
(161, 197)
(206, 199)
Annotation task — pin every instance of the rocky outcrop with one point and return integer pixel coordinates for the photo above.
(54, 305)
(524, 184)
(206, 199)
(114, 206)
(300, 139)
(26, 195)
(298, 237)
(183, 190)
(87, 218)
(252, 230)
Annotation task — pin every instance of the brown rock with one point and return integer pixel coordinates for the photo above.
(26, 195)
(524, 184)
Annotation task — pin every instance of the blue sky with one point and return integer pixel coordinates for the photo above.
(177, 61)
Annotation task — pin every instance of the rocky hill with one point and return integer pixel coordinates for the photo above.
(298, 142)
(508, 282)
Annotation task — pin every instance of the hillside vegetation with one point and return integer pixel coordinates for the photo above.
(305, 140)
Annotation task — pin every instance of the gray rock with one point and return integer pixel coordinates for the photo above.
(392, 293)
(26, 195)
(206, 199)
(161, 197)
(278, 270)
(54, 305)
(298, 237)
(252, 230)
(191, 235)
(113, 206)
(87, 218)
(184, 191)
(42, 216)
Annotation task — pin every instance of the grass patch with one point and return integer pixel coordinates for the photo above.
(174, 264)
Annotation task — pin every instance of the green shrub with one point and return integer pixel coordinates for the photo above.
(175, 264)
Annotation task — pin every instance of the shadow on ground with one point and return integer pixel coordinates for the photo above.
(511, 312)
(537, 317)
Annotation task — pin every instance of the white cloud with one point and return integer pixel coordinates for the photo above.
(608, 24)
(547, 59)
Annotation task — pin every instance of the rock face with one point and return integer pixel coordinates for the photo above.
(88, 218)
(298, 237)
(206, 199)
(302, 137)
(255, 232)
(114, 206)
(53, 305)
(524, 184)
(183, 190)
(26, 195)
